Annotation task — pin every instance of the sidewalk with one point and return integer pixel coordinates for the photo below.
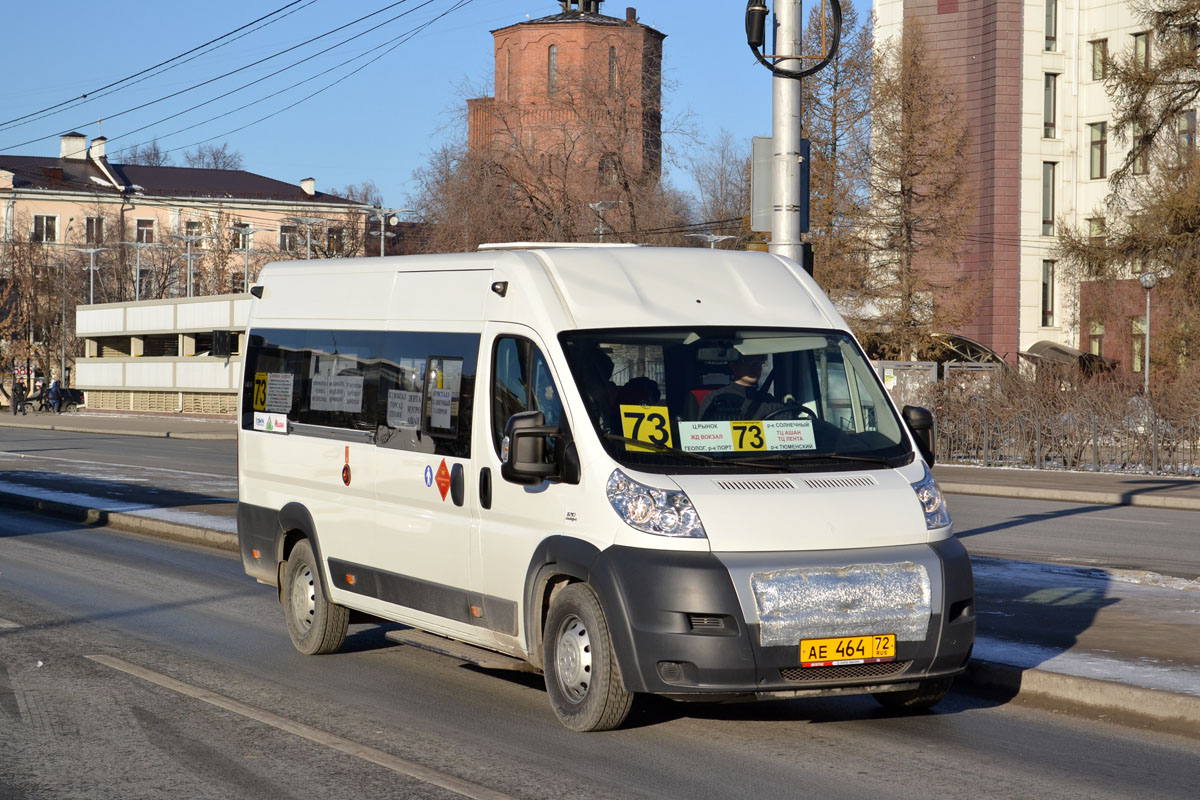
(163, 425)
(1131, 651)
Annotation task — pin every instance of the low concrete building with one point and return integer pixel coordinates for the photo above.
(180, 354)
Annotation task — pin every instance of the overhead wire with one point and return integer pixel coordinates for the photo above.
(170, 63)
(405, 37)
(229, 73)
(274, 74)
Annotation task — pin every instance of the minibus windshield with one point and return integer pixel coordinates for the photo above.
(715, 399)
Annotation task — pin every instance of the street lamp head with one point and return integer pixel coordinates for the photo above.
(1148, 280)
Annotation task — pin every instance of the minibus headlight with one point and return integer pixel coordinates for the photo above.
(932, 501)
(657, 511)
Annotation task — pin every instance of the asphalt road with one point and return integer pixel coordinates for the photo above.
(136, 668)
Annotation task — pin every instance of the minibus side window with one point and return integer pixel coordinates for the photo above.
(426, 392)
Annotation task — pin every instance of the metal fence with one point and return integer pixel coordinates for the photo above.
(1145, 442)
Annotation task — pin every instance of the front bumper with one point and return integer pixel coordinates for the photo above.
(688, 624)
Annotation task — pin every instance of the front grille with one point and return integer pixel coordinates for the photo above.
(885, 669)
(756, 484)
(848, 482)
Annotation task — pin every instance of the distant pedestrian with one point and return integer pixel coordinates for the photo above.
(18, 399)
(56, 396)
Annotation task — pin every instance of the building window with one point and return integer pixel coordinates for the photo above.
(95, 230)
(508, 75)
(1096, 338)
(145, 231)
(241, 236)
(335, 241)
(1141, 49)
(612, 70)
(1097, 233)
(289, 238)
(1048, 170)
(1185, 127)
(1141, 161)
(552, 70)
(1047, 294)
(45, 228)
(1099, 149)
(1099, 59)
(1139, 340)
(1051, 25)
(193, 228)
(1050, 106)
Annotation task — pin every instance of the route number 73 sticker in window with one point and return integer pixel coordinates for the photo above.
(260, 391)
(651, 424)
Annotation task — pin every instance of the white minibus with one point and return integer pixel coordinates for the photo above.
(636, 470)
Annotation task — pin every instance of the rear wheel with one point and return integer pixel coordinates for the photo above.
(316, 625)
(583, 680)
(927, 695)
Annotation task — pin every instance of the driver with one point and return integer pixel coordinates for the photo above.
(741, 398)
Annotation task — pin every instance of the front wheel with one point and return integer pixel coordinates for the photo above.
(316, 625)
(583, 680)
(927, 695)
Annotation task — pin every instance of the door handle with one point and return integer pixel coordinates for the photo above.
(485, 487)
(457, 487)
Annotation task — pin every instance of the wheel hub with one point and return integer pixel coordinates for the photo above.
(304, 598)
(573, 659)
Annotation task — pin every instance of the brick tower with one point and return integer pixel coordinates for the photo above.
(577, 94)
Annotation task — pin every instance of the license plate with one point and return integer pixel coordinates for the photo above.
(847, 650)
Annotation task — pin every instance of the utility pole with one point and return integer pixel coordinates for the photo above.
(62, 328)
(247, 232)
(189, 238)
(91, 251)
(786, 132)
(789, 167)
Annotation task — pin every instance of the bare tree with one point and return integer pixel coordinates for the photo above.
(837, 118)
(211, 156)
(365, 192)
(722, 176)
(921, 203)
(146, 155)
(540, 173)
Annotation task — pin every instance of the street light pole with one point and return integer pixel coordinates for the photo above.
(137, 275)
(711, 238)
(248, 232)
(385, 217)
(600, 207)
(308, 223)
(786, 132)
(1148, 280)
(189, 238)
(62, 328)
(91, 251)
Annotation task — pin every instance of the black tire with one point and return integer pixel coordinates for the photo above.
(316, 625)
(583, 679)
(927, 695)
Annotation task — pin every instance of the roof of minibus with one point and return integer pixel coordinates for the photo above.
(557, 286)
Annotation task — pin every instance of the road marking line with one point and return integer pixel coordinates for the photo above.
(6, 623)
(387, 760)
(1128, 521)
(115, 464)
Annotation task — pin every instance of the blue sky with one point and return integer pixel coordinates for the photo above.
(379, 124)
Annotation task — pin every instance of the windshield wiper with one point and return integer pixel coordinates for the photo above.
(706, 459)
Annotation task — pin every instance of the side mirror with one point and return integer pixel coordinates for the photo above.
(920, 422)
(523, 450)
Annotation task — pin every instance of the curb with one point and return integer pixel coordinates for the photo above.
(40, 426)
(1074, 496)
(1177, 712)
(131, 523)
